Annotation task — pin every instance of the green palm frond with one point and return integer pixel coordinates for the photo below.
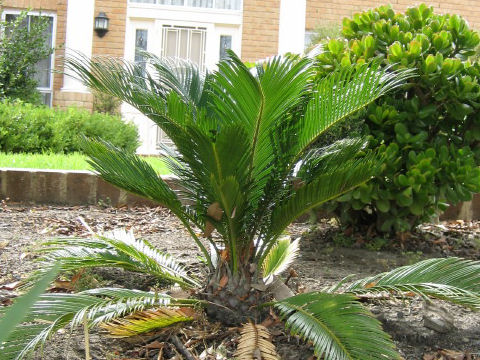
(129, 172)
(322, 160)
(284, 82)
(116, 249)
(22, 305)
(452, 279)
(339, 327)
(144, 321)
(178, 75)
(55, 311)
(279, 258)
(325, 187)
(344, 93)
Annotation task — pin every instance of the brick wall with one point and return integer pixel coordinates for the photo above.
(261, 20)
(65, 99)
(113, 43)
(333, 11)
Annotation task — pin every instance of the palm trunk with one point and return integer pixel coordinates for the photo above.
(234, 299)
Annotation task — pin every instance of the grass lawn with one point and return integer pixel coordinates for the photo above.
(73, 161)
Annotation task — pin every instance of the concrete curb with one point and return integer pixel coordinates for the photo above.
(65, 187)
(77, 187)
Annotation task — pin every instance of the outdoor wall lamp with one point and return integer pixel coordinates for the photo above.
(101, 24)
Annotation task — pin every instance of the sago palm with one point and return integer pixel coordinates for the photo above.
(246, 167)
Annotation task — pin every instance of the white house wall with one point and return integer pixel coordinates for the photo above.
(291, 34)
(79, 37)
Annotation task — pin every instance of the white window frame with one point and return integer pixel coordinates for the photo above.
(43, 90)
(201, 29)
(185, 5)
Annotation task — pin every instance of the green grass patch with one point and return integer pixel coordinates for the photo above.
(74, 161)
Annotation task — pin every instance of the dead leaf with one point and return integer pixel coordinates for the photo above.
(6, 302)
(442, 240)
(77, 276)
(223, 281)
(443, 354)
(155, 345)
(215, 212)
(4, 244)
(61, 286)
(10, 286)
(224, 255)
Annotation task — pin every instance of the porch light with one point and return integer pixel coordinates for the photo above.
(101, 24)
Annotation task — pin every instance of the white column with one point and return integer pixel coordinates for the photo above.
(291, 34)
(79, 37)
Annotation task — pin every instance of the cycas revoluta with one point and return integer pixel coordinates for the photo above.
(246, 166)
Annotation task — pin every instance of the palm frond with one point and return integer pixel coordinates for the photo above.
(325, 187)
(339, 327)
(55, 311)
(452, 279)
(284, 82)
(157, 91)
(22, 305)
(255, 343)
(236, 96)
(178, 75)
(144, 321)
(279, 258)
(117, 249)
(322, 160)
(342, 94)
(130, 172)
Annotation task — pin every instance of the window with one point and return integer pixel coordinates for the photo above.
(185, 42)
(215, 4)
(309, 35)
(141, 40)
(43, 73)
(200, 3)
(162, 139)
(225, 44)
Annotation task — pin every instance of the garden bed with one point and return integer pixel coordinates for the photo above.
(321, 263)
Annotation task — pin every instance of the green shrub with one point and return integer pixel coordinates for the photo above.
(429, 132)
(23, 43)
(28, 128)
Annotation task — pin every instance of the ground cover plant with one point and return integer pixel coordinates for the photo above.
(428, 134)
(36, 129)
(72, 161)
(239, 138)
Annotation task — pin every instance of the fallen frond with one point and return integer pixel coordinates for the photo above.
(255, 344)
(147, 320)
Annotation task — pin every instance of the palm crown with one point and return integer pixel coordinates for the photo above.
(246, 167)
(239, 135)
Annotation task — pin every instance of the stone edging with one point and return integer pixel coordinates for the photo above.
(77, 187)
(65, 187)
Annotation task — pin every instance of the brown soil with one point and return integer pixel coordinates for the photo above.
(321, 263)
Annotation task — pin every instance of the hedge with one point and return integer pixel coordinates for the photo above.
(34, 129)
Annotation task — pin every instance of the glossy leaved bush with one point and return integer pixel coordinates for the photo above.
(429, 131)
